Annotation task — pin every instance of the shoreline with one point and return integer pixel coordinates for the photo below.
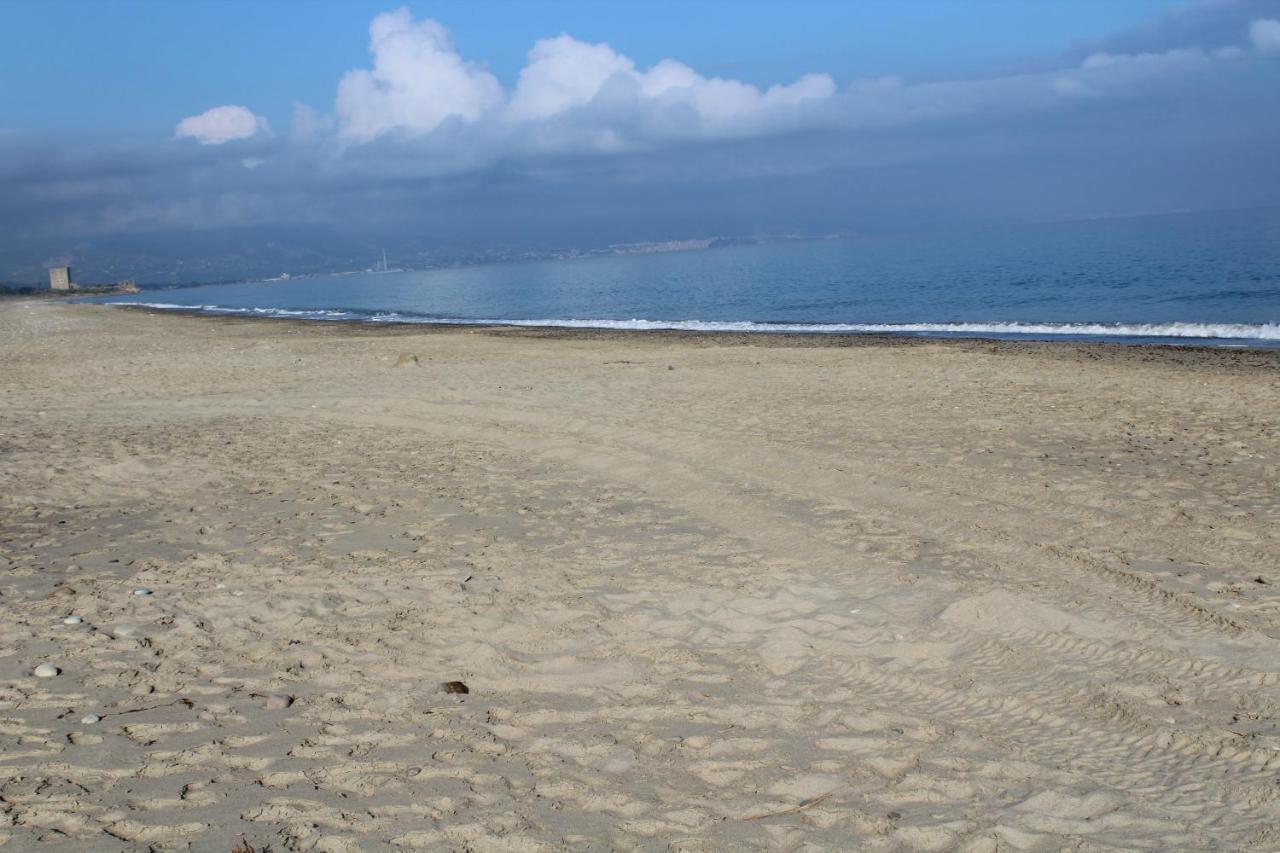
(820, 340)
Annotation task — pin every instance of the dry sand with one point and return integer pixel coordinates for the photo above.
(706, 593)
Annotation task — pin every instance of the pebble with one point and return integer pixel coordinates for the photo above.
(46, 670)
(142, 590)
(278, 701)
(72, 620)
(455, 687)
(90, 719)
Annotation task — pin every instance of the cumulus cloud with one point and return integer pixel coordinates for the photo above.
(1265, 35)
(564, 74)
(221, 124)
(417, 82)
(574, 96)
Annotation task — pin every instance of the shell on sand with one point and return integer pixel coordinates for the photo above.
(278, 701)
(72, 620)
(90, 719)
(142, 590)
(46, 670)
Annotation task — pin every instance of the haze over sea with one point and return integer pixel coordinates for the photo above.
(1179, 278)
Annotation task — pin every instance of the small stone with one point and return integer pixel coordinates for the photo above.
(90, 719)
(72, 620)
(46, 670)
(455, 687)
(278, 701)
(142, 590)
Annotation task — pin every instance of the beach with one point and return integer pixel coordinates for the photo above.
(703, 592)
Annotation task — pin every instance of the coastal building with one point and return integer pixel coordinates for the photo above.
(60, 279)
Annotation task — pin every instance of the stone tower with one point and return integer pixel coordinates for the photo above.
(60, 278)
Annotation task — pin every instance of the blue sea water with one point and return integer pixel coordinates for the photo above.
(1185, 278)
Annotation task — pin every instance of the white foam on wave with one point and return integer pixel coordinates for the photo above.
(1217, 331)
(291, 313)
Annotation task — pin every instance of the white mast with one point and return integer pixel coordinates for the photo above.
(384, 260)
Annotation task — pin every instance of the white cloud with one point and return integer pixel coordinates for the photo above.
(418, 81)
(564, 74)
(1265, 35)
(574, 96)
(220, 124)
(1105, 73)
(890, 101)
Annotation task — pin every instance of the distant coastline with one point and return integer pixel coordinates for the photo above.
(488, 257)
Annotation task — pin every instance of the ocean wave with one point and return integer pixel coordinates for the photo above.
(1181, 330)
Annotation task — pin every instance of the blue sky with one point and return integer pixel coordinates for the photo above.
(138, 66)
(200, 129)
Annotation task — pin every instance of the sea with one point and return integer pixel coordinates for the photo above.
(1202, 278)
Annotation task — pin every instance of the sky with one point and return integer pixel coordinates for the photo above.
(178, 129)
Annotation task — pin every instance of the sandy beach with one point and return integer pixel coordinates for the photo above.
(704, 592)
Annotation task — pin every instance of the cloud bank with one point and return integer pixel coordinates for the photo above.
(584, 145)
(221, 125)
(573, 97)
(577, 97)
